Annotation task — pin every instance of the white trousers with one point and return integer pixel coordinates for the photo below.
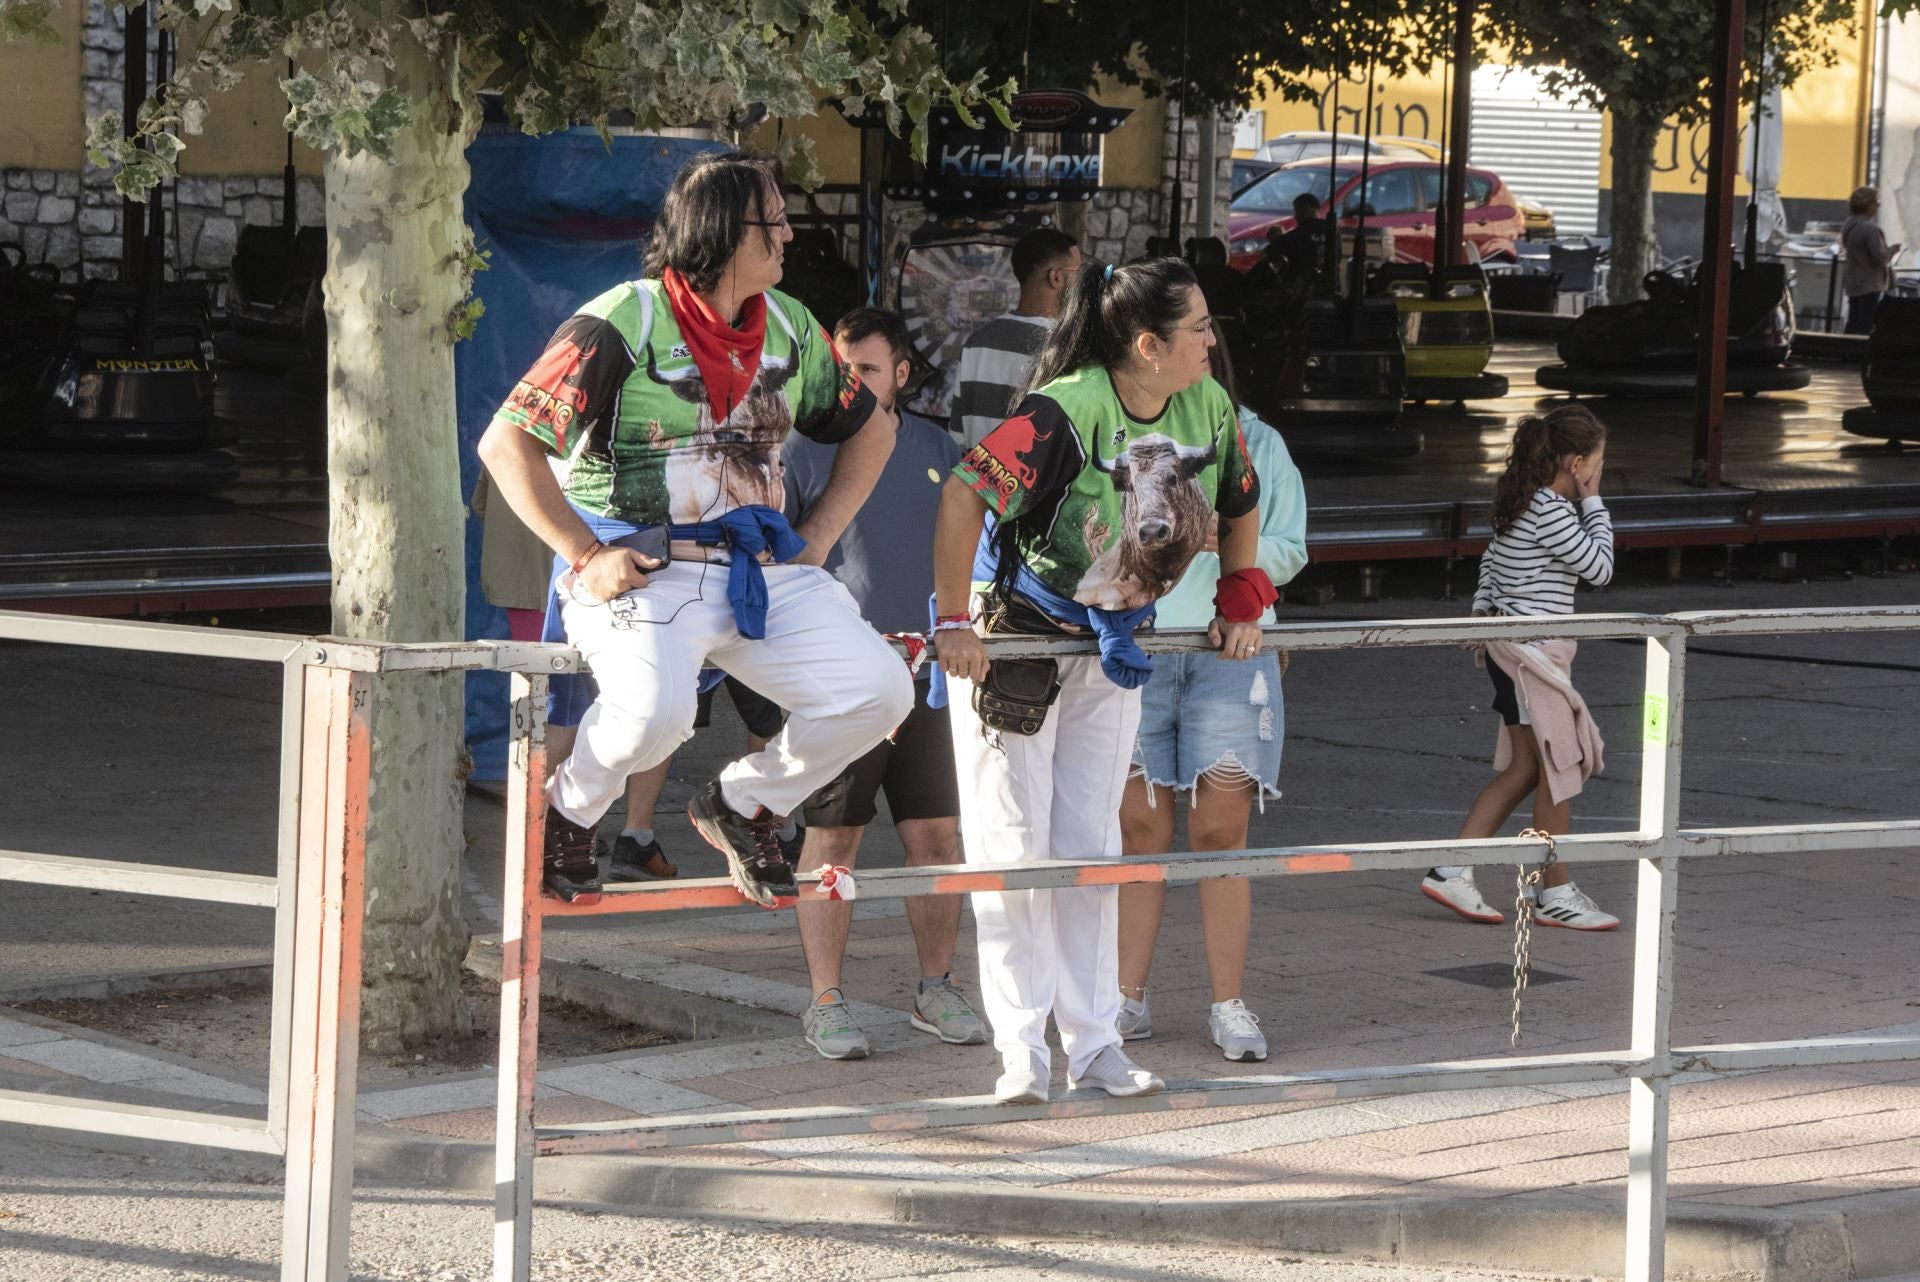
(1052, 795)
(843, 688)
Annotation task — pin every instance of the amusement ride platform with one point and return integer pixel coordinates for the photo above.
(1792, 475)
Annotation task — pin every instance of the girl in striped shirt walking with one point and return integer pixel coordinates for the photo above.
(1550, 531)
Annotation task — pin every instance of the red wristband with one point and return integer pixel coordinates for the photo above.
(579, 562)
(952, 618)
(1244, 595)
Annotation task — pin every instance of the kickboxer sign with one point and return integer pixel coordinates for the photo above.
(1054, 155)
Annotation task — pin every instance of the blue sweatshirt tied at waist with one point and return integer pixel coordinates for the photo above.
(745, 532)
(1121, 658)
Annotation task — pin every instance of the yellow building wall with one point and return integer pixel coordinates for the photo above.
(836, 144)
(1824, 115)
(245, 131)
(42, 123)
(1133, 155)
(1824, 118)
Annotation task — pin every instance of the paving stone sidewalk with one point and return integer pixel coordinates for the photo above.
(1792, 951)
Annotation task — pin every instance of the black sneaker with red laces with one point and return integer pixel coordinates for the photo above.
(571, 864)
(752, 846)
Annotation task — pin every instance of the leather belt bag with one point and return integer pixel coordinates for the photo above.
(1016, 693)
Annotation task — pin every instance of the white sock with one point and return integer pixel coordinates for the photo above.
(786, 833)
(1447, 872)
(642, 835)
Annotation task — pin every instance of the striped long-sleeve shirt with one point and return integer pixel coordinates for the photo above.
(994, 367)
(1532, 568)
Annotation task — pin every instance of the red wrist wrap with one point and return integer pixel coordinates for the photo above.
(1244, 595)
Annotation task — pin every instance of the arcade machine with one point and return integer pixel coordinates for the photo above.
(983, 187)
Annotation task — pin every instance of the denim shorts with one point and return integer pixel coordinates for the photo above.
(1203, 715)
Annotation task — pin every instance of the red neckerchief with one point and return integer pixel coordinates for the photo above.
(728, 358)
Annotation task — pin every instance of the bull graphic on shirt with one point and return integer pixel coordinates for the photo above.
(1164, 519)
(1018, 437)
(729, 464)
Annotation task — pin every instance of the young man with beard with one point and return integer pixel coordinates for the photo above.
(885, 560)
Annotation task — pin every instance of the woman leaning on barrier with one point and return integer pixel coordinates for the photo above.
(1102, 486)
(1213, 732)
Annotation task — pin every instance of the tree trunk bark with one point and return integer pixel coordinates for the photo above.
(1635, 249)
(395, 237)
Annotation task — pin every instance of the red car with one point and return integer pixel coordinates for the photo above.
(1401, 194)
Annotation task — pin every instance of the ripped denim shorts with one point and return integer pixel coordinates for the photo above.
(1203, 715)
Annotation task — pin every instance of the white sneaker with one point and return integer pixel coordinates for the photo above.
(1461, 895)
(1569, 906)
(1112, 1072)
(1025, 1084)
(1236, 1031)
(1135, 1022)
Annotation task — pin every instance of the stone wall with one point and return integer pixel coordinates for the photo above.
(72, 218)
(1120, 220)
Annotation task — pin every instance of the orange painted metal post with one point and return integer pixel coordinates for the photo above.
(520, 910)
(335, 754)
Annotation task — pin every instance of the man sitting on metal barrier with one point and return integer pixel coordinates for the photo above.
(662, 405)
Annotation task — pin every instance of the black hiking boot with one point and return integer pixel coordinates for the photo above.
(754, 860)
(572, 868)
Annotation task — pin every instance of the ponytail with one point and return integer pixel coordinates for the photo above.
(1539, 443)
(1106, 308)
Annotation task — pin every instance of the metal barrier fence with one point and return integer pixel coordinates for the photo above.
(316, 894)
(1657, 846)
(316, 899)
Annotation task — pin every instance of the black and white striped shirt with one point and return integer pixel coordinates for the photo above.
(994, 366)
(1532, 568)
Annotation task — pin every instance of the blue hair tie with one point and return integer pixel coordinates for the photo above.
(1109, 273)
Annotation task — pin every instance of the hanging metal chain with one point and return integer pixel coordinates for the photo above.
(1523, 921)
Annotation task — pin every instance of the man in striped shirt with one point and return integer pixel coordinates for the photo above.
(998, 356)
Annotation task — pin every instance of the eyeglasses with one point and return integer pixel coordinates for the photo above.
(1200, 327)
(781, 221)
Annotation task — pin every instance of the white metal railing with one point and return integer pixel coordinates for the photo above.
(1657, 846)
(316, 893)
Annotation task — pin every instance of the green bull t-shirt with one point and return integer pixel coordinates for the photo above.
(617, 396)
(1118, 507)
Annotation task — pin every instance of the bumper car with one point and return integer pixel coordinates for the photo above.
(273, 296)
(1650, 347)
(1448, 339)
(119, 398)
(1891, 376)
(1328, 371)
(1331, 376)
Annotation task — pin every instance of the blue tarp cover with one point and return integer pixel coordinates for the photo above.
(564, 217)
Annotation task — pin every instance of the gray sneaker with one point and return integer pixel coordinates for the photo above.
(1236, 1031)
(941, 1010)
(1135, 1022)
(1112, 1072)
(831, 1031)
